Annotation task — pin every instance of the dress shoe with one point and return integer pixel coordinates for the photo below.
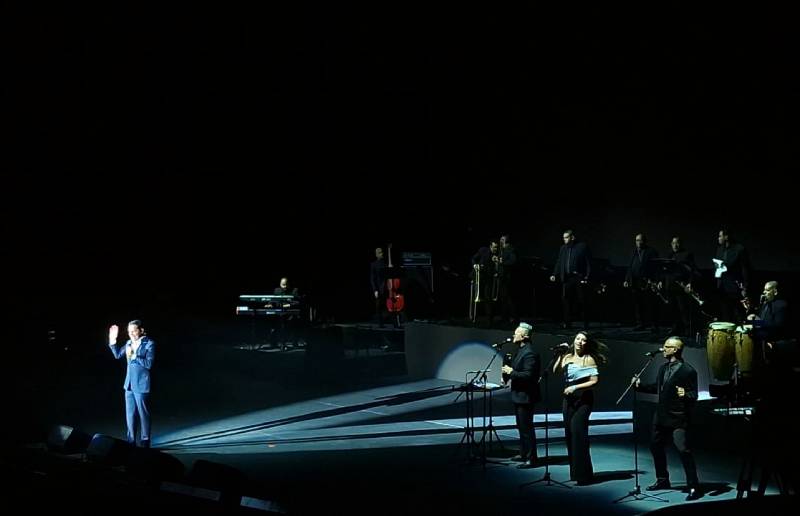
(534, 463)
(517, 458)
(694, 494)
(659, 484)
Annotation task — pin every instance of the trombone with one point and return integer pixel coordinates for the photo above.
(475, 293)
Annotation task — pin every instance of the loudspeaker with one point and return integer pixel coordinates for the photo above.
(153, 465)
(109, 451)
(221, 477)
(68, 440)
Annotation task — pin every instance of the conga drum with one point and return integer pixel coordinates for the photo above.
(743, 347)
(720, 349)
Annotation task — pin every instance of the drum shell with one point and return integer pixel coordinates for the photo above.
(721, 351)
(743, 349)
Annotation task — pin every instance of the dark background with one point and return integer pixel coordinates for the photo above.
(165, 160)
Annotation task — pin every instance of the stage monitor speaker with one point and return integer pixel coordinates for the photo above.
(68, 440)
(108, 450)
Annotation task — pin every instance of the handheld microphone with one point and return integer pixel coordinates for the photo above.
(654, 353)
(501, 343)
(561, 346)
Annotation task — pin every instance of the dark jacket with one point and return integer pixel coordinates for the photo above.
(642, 265)
(737, 264)
(685, 268)
(377, 275)
(574, 259)
(773, 315)
(524, 378)
(673, 410)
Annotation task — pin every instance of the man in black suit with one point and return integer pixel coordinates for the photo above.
(772, 314)
(641, 278)
(377, 278)
(733, 275)
(573, 268)
(523, 375)
(676, 386)
(678, 282)
(285, 332)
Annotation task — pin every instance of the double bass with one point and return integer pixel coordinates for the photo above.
(394, 299)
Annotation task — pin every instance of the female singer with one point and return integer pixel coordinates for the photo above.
(580, 376)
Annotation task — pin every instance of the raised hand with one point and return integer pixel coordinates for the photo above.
(113, 333)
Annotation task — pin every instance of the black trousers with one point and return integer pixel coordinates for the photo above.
(662, 435)
(680, 309)
(576, 410)
(572, 291)
(505, 299)
(730, 307)
(645, 309)
(380, 307)
(527, 436)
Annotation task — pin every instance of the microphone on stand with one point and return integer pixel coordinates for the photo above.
(561, 347)
(500, 344)
(654, 353)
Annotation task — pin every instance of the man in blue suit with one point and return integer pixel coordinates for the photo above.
(139, 351)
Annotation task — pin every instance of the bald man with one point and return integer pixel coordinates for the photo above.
(676, 386)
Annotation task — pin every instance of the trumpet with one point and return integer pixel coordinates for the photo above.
(685, 286)
(653, 286)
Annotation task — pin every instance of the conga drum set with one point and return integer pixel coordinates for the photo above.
(730, 350)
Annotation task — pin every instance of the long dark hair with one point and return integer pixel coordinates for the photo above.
(594, 348)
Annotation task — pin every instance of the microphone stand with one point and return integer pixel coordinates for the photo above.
(546, 478)
(636, 492)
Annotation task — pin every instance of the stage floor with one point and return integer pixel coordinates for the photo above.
(365, 440)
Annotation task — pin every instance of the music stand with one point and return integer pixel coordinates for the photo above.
(636, 492)
(490, 430)
(469, 431)
(470, 386)
(546, 477)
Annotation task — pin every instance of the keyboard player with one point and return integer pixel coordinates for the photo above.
(286, 330)
(283, 289)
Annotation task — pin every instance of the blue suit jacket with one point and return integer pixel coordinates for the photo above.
(137, 378)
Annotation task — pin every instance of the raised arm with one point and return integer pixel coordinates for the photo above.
(116, 350)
